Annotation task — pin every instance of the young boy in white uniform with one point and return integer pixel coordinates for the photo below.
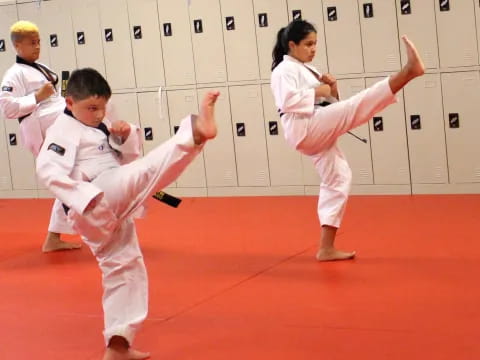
(88, 165)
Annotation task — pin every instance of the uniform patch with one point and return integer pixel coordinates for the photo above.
(7, 88)
(57, 148)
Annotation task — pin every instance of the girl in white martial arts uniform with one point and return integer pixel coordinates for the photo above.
(313, 130)
(88, 166)
(28, 94)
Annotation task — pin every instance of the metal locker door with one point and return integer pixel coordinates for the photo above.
(270, 17)
(182, 103)
(176, 42)
(358, 153)
(285, 163)
(5, 175)
(8, 15)
(207, 41)
(240, 41)
(220, 166)
(249, 135)
(389, 143)
(425, 130)
(146, 44)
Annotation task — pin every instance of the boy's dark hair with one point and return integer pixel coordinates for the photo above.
(84, 83)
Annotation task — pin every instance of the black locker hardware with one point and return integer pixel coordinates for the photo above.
(198, 26)
(12, 139)
(444, 5)
(175, 129)
(273, 127)
(378, 123)
(368, 10)
(108, 35)
(415, 122)
(297, 14)
(167, 29)
(240, 129)
(230, 23)
(53, 40)
(406, 7)
(63, 86)
(137, 32)
(80, 38)
(263, 20)
(148, 133)
(454, 120)
(332, 13)
(2, 45)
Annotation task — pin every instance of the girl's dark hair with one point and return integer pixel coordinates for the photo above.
(296, 31)
(84, 83)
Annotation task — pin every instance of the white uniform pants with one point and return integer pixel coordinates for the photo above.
(109, 229)
(58, 220)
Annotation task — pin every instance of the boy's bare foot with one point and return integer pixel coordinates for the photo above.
(118, 349)
(53, 243)
(334, 254)
(414, 66)
(204, 126)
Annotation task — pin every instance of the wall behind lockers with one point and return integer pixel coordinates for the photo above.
(161, 56)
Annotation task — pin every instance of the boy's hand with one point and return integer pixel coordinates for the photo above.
(329, 79)
(121, 129)
(44, 92)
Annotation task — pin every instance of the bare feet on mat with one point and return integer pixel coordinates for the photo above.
(334, 254)
(118, 349)
(53, 243)
(414, 66)
(204, 126)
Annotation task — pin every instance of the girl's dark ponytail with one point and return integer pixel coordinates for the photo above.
(280, 48)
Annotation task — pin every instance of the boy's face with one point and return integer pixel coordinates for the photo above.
(29, 47)
(89, 111)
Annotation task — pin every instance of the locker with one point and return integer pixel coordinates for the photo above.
(416, 19)
(379, 35)
(154, 120)
(5, 176)
(461, 108)
(124, 107)
(312, 11)
(249, 135)
(342, 31)
(358, 153)
(180, 104)
(284, 162)
(456, 37)
(176, 42)
(389, 143)
(6, 2)
(220, 166)
(87, 33)
(270, 17)
(477, 17)
(146, 45)
(425, 130)
(207, 41)
(240, 41)
(116, 44)
(8, 15)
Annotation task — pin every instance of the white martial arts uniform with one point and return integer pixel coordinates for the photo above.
(78, 163)
(314, 130)
(17, 101)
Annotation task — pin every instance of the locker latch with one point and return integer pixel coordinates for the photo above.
(332, 13)
(167, 29)
(368, 10)
(415, 122)
(297, 14)
(444, 5)
(378, 123)
(108, 35)
(148, 133)
(65, 77)
(230, 23)
(405, 7)
(240, 129)
(198, 26)
(175, 129)
(263, 20)
(80, 38)
(273, 127)
(137, 32)
(2, 45)
(53, 40)
(12, 139)
(454, 120)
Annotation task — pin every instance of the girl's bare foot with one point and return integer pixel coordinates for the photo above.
(118, 349)
(204, 126)
(414, 66)
(53, 243)
(333, 254)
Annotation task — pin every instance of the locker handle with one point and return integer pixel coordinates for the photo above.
(167, 29)
(198, 26)
(2, 45)
(175, 129)
(368, 10)
(444, 5)
(405, 7)
(263, 20)
(12, 139)
(332, 13)
(137, 32)
(230, 23)
(80, 38)
(53, 40)
(415, 122)
(377, 123)
(297, 14)
(454, 120)
(148, 133)
(273, 127)
(108, 35)
(240, 129)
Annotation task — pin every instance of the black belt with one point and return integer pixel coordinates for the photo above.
(323, 103)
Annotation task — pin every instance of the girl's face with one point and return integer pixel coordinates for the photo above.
(305, 50)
